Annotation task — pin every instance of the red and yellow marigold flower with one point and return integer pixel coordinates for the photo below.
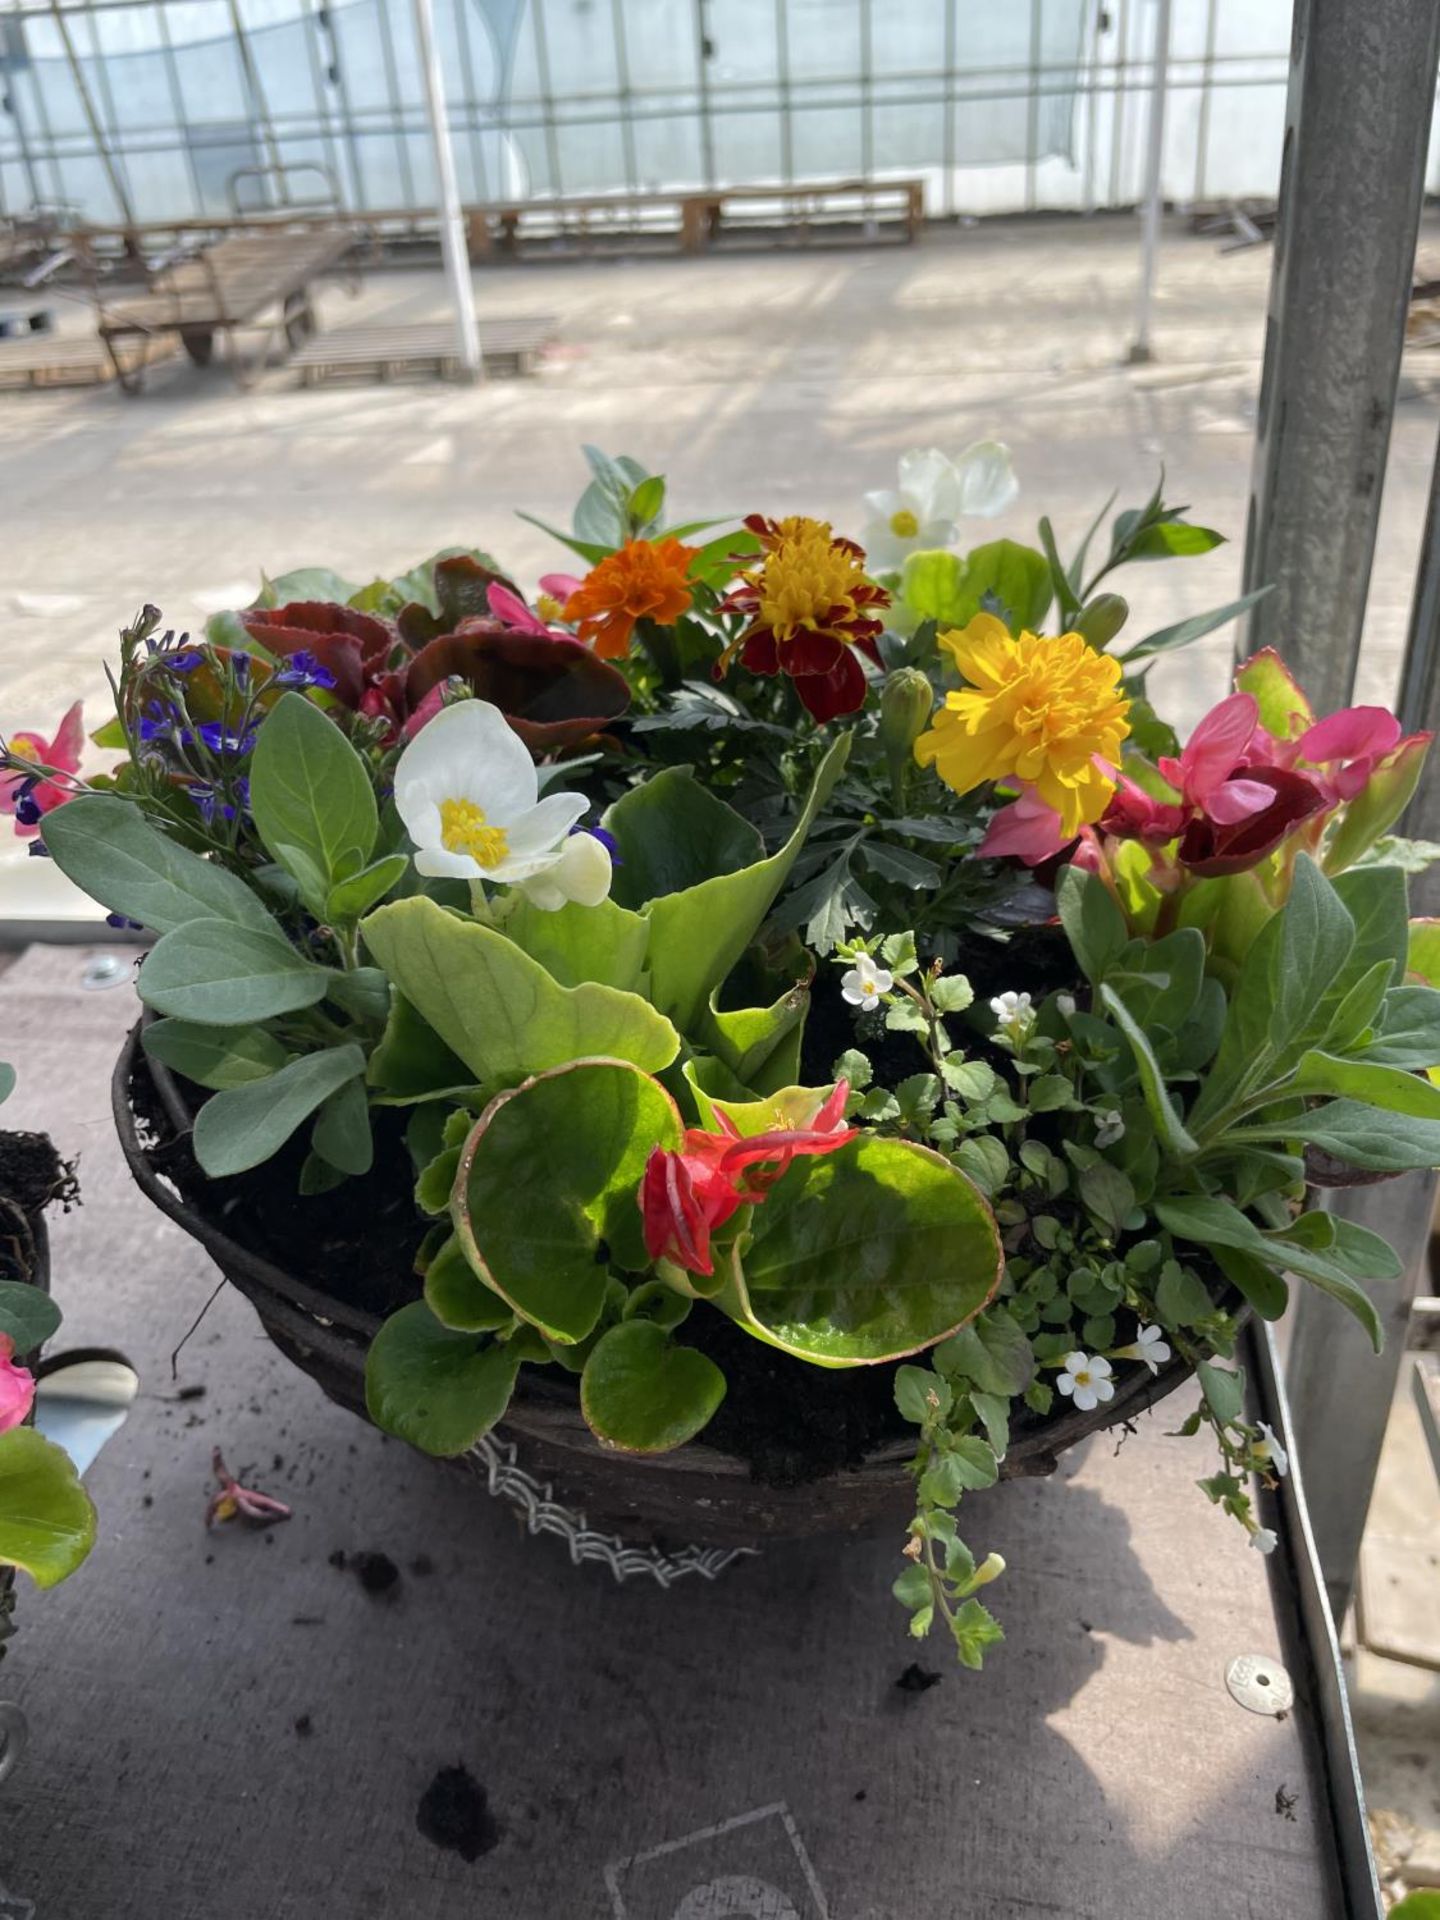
(810, 613)
(643, 580)
(1046, 712)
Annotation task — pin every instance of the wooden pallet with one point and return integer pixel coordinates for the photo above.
(78, 360)
(384, 352)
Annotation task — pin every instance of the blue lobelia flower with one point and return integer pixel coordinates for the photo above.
(303, 670)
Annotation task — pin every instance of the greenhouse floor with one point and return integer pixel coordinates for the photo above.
(778, 380)
(229, 1723)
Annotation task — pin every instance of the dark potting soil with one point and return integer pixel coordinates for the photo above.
(32, 1174)
(455, 1813)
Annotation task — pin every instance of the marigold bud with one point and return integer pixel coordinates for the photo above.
(906, 702)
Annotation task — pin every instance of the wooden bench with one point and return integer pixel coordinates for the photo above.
(698, 216)
(385, 352)
(74, 360)
(801, 209)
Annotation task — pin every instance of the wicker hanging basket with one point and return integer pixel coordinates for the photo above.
(696, 1494)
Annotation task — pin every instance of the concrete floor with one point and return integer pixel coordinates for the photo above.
(780, 381)
(776, 380)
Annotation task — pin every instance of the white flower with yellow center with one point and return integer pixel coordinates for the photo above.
(865, 984)
(1086, 1380)
(1149, 1345)
(934, 494)
(467, 791)
(1267, 1451)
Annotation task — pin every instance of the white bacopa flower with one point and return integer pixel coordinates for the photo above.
(1150, 1346)
(1015, 1013)
(1269, 1452)
(1086, 1380)
(1109, 1127)
(1263, 1540)
(467, 791)
(1066, 1003)
(864, 984)
(933, 495)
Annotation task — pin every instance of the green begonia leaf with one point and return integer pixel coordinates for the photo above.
(641, 1393)
(438, 1389)
(47, 1524)
(876, 1250)
(549, 1176)
(498, 1009)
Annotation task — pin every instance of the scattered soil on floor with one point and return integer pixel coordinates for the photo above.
(455, 1813)
(917, 1679)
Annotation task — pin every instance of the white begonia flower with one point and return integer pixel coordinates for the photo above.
(582, 873)
(933, 495)
(1263, 1540)
(863, 985)
(1150, 1345)
(1086, 1380)
(1015, 1013)
(1109, 1127)
(1269, 1452)
(467, 791)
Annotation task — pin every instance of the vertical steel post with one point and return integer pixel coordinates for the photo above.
(1419, 702)
(452, 224)
(1362, 89)
(1140, 349)
(1340, 1390)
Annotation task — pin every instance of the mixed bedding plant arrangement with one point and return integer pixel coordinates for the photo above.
(758, 929)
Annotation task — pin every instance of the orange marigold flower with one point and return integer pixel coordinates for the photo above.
(643, 580)
(811, 613)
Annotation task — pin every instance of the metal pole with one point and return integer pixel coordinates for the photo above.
(1362, 86)
(452, 226)
(1340, 1390)
(259, 105)
(1419, 702)
(1140, 349)
(112, 172)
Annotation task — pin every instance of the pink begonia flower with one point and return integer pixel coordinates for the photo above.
(17, 1387)
(1209, 773)
(1026, 830)
(62, 755)
(1347, 747)
(233, 1502)
(511, 611)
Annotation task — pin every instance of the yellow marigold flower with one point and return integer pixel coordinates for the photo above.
(1048, 712)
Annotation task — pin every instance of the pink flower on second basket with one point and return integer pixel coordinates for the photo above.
(20, 790)
(17, 1387)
